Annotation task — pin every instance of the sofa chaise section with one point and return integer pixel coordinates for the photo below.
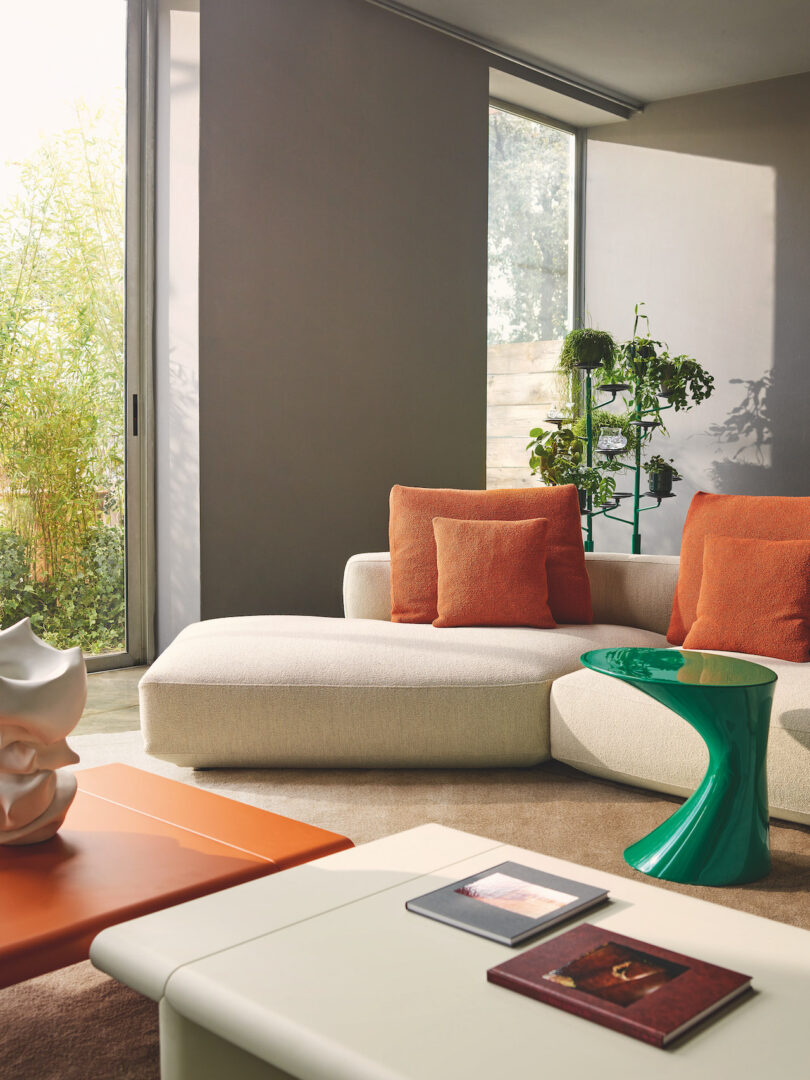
(295, 691)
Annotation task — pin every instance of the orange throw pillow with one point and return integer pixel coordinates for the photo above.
(414, 572)
(753, 517)
(754, 598)
(492, 573)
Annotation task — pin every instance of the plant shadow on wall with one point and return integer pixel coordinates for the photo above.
(749, 427)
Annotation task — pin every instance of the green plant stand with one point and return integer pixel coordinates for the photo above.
(720, 834)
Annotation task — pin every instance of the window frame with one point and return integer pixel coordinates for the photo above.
(139, 254)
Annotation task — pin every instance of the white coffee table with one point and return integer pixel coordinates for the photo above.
(320, 973)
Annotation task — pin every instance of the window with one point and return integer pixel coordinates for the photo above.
(530, 283)
(70, 296)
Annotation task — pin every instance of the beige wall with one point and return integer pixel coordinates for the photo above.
(343, 200)
(700, 208)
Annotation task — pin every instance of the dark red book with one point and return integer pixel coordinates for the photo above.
(641, 990)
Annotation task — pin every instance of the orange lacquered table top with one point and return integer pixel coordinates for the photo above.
(133, 843)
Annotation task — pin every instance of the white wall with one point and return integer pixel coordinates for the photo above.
(696, 208)
(176, 318)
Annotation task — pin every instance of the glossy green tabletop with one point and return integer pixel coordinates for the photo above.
(720, 834)
(677, 666)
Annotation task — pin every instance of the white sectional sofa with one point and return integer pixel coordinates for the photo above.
(297, 691)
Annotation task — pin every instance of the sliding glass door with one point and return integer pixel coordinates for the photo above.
(72, 307)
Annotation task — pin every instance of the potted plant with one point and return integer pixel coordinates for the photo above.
(558, 456)
(586, 349)
(654, 374)
(682, 381)
(604, 419)
(660, 474)
(632, 358)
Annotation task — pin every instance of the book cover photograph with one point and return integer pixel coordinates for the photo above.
(508, 903)
(631, 986)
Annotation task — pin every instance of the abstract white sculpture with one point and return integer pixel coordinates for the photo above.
(43, 691)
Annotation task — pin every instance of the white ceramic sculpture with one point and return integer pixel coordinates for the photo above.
(43, 691)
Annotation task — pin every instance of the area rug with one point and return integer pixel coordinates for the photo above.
(77, 1023)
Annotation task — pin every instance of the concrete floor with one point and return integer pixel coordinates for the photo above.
(112, 702)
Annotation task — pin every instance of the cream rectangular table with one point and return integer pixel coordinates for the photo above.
(319, 973)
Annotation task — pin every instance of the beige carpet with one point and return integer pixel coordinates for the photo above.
(77, 1023)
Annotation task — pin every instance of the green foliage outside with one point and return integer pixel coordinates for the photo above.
(61, 389)
(529, 183)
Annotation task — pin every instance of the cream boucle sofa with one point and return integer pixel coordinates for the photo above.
(298, 691)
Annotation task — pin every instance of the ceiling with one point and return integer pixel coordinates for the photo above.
(643, 49)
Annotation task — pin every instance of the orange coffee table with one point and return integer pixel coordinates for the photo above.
(133, 843)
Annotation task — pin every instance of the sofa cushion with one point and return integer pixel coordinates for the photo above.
(607, 728)
(414, 573)
(754, 597)
(492, 573)
(759, 517)
(313, 692)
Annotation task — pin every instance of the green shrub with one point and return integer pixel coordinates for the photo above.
(83, 606)
(14, 570)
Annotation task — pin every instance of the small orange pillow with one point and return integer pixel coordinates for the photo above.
(413, 547)
(753, 517)
(492, 573)
(754, 598)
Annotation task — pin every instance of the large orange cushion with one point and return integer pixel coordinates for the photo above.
(492, 573)
(414, 571)
(757, 517)
(754, 598)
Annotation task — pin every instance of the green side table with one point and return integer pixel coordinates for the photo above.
(720, 834)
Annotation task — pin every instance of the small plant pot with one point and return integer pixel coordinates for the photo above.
(668, 376)
(661, 482)
(583, 500)
(640, 368)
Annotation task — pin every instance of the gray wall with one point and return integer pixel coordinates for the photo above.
(700, 208)
(343, 199)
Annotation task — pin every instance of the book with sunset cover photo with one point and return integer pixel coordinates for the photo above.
(639, 989)
(508, 903)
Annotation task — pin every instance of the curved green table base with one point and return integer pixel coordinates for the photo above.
(720, 834)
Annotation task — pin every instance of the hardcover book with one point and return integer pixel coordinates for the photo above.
(639, 989)
(508, 903)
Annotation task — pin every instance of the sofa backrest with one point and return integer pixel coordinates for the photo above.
(632, 590)
(627, 590)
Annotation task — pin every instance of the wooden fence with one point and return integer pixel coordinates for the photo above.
(522, 385)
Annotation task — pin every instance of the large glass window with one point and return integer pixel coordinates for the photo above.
(531, 223)
(62, 331)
